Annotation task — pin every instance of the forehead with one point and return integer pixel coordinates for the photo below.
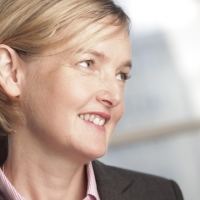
(119, 43)
(101, 32)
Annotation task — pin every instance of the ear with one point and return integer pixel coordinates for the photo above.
(10, 69)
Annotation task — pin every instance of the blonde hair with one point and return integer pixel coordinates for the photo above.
(31, 27)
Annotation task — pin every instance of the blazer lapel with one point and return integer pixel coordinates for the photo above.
(111, 184)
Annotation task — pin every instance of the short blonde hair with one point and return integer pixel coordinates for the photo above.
(31, 27)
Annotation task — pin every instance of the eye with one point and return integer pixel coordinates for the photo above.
(122, 76)
(86, 63)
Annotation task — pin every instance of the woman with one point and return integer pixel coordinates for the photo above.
(63, 67)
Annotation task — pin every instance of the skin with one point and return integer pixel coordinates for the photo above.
(54, 91)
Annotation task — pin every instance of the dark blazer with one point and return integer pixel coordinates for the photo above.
(120, 184)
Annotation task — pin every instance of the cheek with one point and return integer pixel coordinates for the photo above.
(67, 93)
(116, 116)
(119, 111)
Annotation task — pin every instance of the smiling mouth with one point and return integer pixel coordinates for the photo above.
(95, 119)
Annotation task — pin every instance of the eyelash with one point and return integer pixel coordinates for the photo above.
(126, 76)
(90, 62)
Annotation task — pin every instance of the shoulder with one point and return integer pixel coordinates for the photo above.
(117, 173)
(143, 185)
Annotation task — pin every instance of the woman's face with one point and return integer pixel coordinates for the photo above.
(72, 106)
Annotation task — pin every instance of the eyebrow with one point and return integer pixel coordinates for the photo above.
(97, 54)
(127, 63)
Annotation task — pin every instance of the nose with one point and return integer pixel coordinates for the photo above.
(111, 95)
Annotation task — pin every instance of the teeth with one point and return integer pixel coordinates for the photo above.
(102, 122)
(86, 117)
(91, 118)
(95, 119)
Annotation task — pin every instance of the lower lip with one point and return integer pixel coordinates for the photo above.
(100, 128)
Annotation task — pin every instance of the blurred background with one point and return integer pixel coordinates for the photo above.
(160, 130)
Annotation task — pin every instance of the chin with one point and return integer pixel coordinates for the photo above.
(96, 152)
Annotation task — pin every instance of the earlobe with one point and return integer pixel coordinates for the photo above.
(9, 69)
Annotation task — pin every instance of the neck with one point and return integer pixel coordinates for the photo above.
(37, 176)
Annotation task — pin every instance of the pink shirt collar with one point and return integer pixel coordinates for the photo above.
(9, 191)
(92, 192)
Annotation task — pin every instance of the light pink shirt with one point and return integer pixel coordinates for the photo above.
(8, 190)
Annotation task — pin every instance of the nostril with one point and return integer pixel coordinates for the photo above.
(109, 98)
(107, 102)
